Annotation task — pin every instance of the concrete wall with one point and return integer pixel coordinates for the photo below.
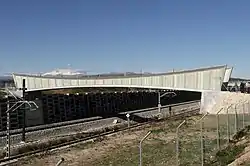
(192, 80)
(213, 101)
(228, 74)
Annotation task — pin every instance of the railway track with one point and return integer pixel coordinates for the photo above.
(73, 122)
(47, 132)
(186, 113)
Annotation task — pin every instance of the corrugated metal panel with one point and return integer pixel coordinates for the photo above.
(209, 79)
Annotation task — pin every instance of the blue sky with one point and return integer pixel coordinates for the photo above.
(128, 35)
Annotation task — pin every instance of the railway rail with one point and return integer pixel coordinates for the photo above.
(73, 122)
(188, 112)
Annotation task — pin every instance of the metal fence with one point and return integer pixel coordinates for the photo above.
(210, 133)
(193, 141)
(198, 140)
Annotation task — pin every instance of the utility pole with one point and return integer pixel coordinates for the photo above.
(159, 99)
(24, 110)
(12, 109)
(8, 130)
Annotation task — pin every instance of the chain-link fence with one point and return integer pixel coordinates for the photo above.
(198, 142)
(185, 141)
(230, 120)
(182, 141)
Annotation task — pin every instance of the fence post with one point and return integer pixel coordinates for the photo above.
(60, 162)
(243, 115)
(248, 111)
(228, 122)
(248, 106)
(202, 146)
(140, 146)
(201, 134)
(236, 119)
(177, 142)
(218, 128)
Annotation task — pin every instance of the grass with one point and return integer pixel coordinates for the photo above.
(159, 149)
(157, 131)
(233, 150)
(227, 155)
(158, 152)
(154, 153)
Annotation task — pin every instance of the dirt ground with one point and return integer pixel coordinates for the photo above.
(88, 153)
(121, 149)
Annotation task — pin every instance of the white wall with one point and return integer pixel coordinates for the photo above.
(195, 80)
(213, 101)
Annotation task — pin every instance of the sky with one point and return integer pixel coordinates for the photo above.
(128, 35)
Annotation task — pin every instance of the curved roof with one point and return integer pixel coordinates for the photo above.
(118, 75)
(194, 80)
